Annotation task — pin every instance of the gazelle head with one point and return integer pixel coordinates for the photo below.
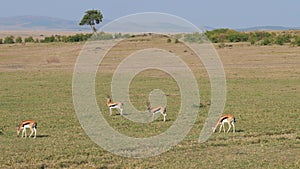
(108, 98)
(148, 106)
(18, 130)
(213, 129)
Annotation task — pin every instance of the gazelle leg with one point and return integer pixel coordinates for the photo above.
(153, 116)
(25, 132)
(233, 127)
(121, 111)
(229, 125)
(31, 132)
(164, 117)
(110, 112)
(34, 132)
(220, 128)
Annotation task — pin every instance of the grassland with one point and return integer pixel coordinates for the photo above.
(263, 86)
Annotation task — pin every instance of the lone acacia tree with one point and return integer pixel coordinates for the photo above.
(91, 18)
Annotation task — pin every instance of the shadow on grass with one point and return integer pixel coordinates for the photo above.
(42, 136)
(240, 131)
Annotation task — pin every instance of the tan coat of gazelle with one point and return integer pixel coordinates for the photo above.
(114, 105)
(227, 118)
(31, 124)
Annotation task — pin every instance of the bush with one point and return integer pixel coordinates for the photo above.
(29, 39)
(126, 35)
(252, 41)
(192, 38)
(9, 40)
(48, 39)
(103, 36)
(297, 41)
(19, 40)
(226, 35)
(118, 35)
(279, 40)
(237, 37)
(266, 41)
(75, 38)
(1, 41)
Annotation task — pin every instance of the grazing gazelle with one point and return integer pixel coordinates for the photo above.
(31, 124)
(114, 105)
(227, 118)
(159, 109)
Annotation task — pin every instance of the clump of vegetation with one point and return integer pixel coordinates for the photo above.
(103, 36)
(19, 40)
(266, 41)
(49, 39)
(193, 38)
(9, 40)
(256, 37)
(74, 38)
(297, 40)
(29, 39)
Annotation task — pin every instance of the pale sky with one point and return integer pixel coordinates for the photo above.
(213, 13)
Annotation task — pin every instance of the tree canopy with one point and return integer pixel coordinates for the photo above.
(91, 18)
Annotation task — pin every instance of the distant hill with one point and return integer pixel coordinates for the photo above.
(261, 28)
(50, 23)
(39, 23)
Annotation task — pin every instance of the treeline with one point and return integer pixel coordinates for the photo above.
(215, 36)
(59, 38)
(254, 38)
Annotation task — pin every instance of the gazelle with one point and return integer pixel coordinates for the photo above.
(159, 109)
(114, 105)
(227, 118)
(31, 124)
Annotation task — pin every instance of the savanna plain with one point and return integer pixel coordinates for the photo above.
(263, 84)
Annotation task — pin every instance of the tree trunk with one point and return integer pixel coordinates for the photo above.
(93, 29)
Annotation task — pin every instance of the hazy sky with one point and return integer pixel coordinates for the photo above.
(214, 13)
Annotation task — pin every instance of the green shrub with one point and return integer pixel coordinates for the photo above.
(1, 41)
(29, 39)
(126, 36)
(193, 38)
(9, 40)
(279, 40)
(48, 39)
(19, 40)
(118, 35)
(266, 41)
(75, 38)
(102, 36)
(297, 41)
